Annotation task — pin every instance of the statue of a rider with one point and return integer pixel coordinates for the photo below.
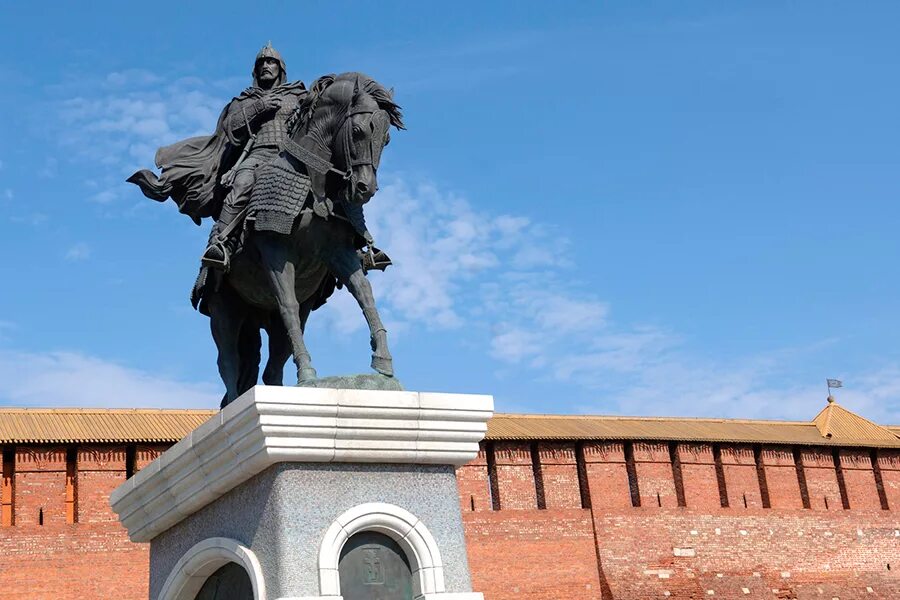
(213, 176)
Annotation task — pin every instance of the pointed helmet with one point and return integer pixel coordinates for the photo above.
(269, 52)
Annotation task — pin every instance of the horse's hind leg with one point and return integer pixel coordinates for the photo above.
(281, 277)
(348, 269)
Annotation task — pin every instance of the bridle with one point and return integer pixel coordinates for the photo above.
(320, 162)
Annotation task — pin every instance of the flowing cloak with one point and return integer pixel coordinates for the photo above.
(191, 169)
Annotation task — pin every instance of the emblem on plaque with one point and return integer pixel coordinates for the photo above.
(374, 573)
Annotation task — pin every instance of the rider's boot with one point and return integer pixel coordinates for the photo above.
(220, 247)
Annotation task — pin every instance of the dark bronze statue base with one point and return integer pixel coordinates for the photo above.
(367, 381)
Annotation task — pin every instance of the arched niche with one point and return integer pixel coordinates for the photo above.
(212, 557)
(404, 528)
(373, 565)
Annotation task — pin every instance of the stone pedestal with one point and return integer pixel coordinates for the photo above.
(280, 479)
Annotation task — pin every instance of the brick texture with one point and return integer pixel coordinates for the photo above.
(698, 470)
(889, 462)
(559, 474)
(821, 479)
(515, 476)
(653, 467)
(859, 478)
(610, 550)
(741, 479)
(474, 485)
(91, 559)
(781, 477)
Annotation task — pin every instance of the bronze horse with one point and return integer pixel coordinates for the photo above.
(280, 276)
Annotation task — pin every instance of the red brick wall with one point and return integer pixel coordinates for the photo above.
(608, 550)
(91, 559)
(532, 554)
(741, 479)
(474, 485)
(40, 486)
(653, 467)
(559, 473)
(147, 453)
(515, 476)
(607, 474)
(781, 477)
(698, 470)
(889, 462)
(859, 477)
(687, 552)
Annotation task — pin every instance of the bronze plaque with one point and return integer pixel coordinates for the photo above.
(374, 567)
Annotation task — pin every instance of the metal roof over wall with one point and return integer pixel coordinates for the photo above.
(833, 426)
(549, 427)
(97, 425)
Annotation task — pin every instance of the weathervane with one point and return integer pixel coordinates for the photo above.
(833, 384)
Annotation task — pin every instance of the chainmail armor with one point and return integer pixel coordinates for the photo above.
(274, 131)
(278, 196)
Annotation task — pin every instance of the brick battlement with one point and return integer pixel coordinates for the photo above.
(545, 519)
(636, 520)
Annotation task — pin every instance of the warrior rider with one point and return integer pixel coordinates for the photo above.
(256, 121)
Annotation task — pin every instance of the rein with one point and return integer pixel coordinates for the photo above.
(321, 163)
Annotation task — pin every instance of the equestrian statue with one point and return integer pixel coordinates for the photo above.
(285, 177)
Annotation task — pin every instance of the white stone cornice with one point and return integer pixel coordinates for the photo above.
(268, 425)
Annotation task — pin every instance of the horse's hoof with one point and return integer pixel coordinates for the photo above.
(306, 375)
(385, 366)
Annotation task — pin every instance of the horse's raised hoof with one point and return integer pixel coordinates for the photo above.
(385, 366)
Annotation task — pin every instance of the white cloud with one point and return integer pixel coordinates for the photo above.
(134, 113)
(74, 379)
(443, 248)
(78, 252)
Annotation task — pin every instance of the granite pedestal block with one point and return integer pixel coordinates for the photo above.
(280, 479)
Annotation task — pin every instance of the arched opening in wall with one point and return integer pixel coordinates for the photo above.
(372, 566)
(229, 582)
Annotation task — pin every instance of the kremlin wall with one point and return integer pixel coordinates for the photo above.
(554, 507)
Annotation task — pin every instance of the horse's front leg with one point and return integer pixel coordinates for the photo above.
(280, 349)
(280, 271)
(225, 323)
(349, 271)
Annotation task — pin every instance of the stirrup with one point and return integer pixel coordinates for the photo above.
(215, 263)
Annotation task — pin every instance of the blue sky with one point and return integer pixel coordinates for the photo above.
(633, 208)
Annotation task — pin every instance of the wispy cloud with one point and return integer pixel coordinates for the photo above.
(33, 219)
(78, 252)
(457, 265)
(75, 379)
(120, 120)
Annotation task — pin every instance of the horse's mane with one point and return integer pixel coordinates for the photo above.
(360, 83)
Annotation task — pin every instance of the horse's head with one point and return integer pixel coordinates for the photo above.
(348, 116)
